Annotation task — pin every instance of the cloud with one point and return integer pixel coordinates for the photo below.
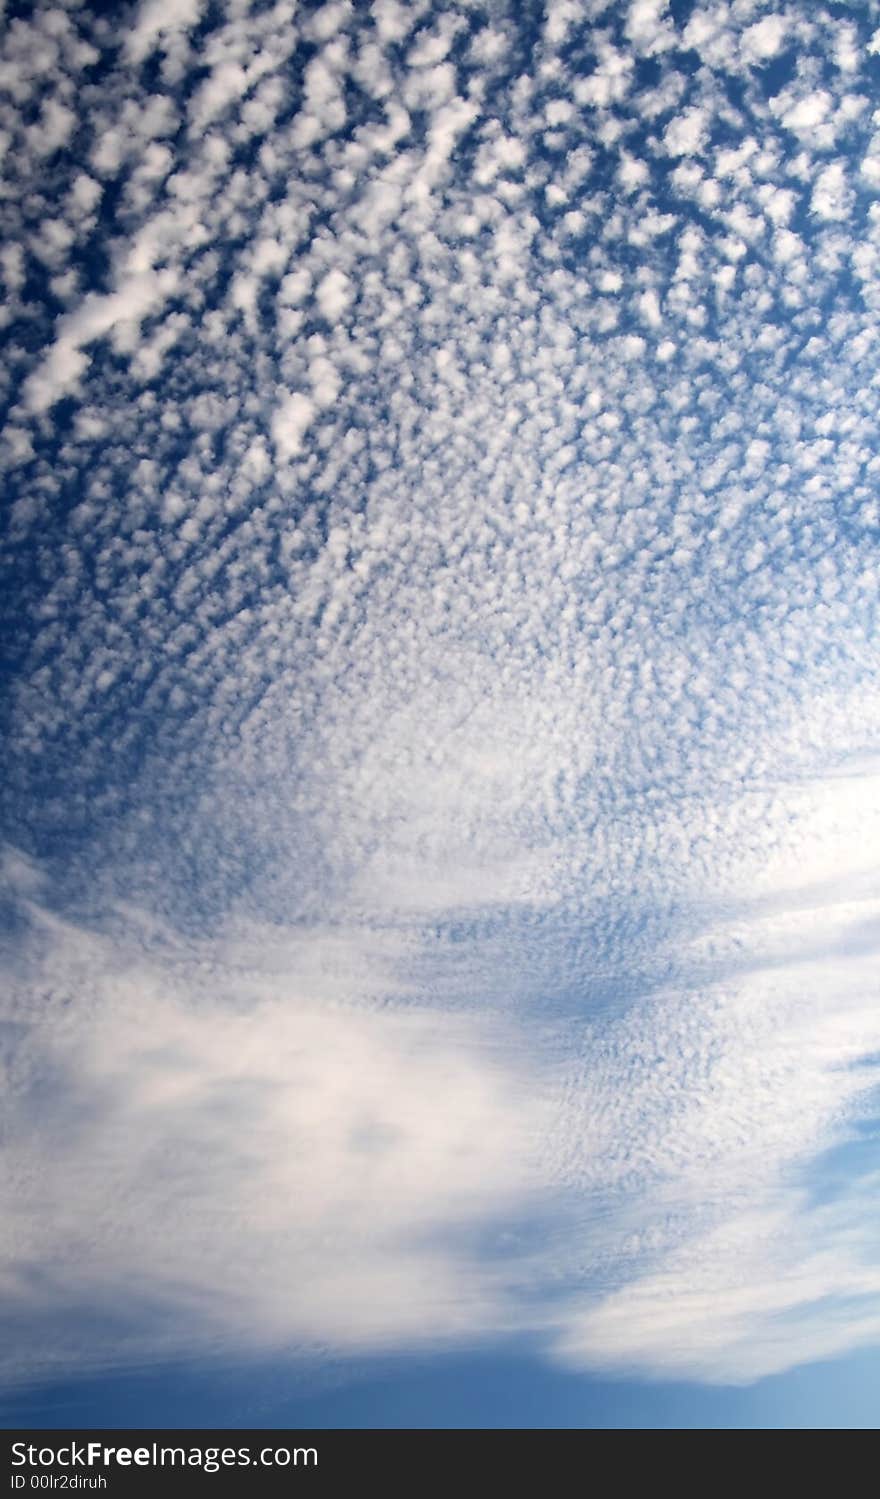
(648, 28)
(765, 38)
(121, 313)
(441, 543)
(832, 198)
(160, 21)
(685, 134)
(270, 1159)
(259, 1166)
(290, 423)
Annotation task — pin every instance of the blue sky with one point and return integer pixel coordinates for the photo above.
(508, 1388)
(441, 807)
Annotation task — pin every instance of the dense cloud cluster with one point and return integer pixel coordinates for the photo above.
(441, 452)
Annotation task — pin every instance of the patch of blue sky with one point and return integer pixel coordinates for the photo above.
(505, 1389)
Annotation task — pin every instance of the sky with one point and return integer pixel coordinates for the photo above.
(441, 802)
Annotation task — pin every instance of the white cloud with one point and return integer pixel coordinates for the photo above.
(328, 1187)
(120, 313)
(764, 39)
(832, 198)
(159, 20)
(805, 113)
(333, 295)
(290, 423)
(649, 309)
(648, 26)
(685, 135)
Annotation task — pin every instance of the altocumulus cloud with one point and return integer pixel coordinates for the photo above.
(442, 800)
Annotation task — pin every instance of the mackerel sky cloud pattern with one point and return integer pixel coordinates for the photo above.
(442, 795)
